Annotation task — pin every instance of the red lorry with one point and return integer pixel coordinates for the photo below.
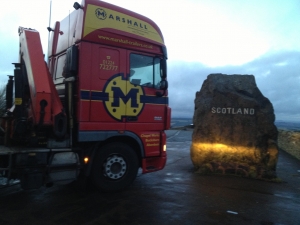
(98, 108)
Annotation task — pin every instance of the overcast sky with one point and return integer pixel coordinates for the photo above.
(259, 37)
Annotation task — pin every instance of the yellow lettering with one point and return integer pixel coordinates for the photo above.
(153, 144)
(145, 135)
(151, 140)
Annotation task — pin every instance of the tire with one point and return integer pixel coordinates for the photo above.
(115, 167)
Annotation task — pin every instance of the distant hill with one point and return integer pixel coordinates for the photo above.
(293, 126)
(284, 125)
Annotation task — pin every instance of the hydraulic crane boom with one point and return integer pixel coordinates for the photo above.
(44, 105)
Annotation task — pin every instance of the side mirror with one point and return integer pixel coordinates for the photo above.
(77, 6)
(163, 68)
(164, 85)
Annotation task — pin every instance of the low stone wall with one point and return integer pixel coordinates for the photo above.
(289, 141)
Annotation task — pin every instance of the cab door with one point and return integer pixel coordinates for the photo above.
(146, 108)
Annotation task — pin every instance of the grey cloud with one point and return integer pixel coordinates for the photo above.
(277, 76)
(8, 55)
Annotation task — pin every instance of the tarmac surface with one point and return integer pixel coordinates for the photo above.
(174, 195)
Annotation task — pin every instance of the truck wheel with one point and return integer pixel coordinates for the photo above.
(115, 167)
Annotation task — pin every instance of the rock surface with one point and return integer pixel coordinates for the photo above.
(234, 129)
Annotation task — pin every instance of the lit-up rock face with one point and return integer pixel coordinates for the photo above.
(234, 129)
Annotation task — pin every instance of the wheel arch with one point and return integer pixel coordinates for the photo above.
(128, 138)
(130, 141)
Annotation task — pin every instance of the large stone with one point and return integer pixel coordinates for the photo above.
(234, 129)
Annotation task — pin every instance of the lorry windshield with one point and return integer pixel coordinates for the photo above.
(145, 70)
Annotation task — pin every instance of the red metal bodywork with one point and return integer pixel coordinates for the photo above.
(126, 33)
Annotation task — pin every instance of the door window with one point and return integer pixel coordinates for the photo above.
(145, 70)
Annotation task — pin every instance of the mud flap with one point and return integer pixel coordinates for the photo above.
(64, 167)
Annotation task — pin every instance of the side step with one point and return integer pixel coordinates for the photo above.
(36, 167)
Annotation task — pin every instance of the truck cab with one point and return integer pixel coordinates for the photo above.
(107, 69)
